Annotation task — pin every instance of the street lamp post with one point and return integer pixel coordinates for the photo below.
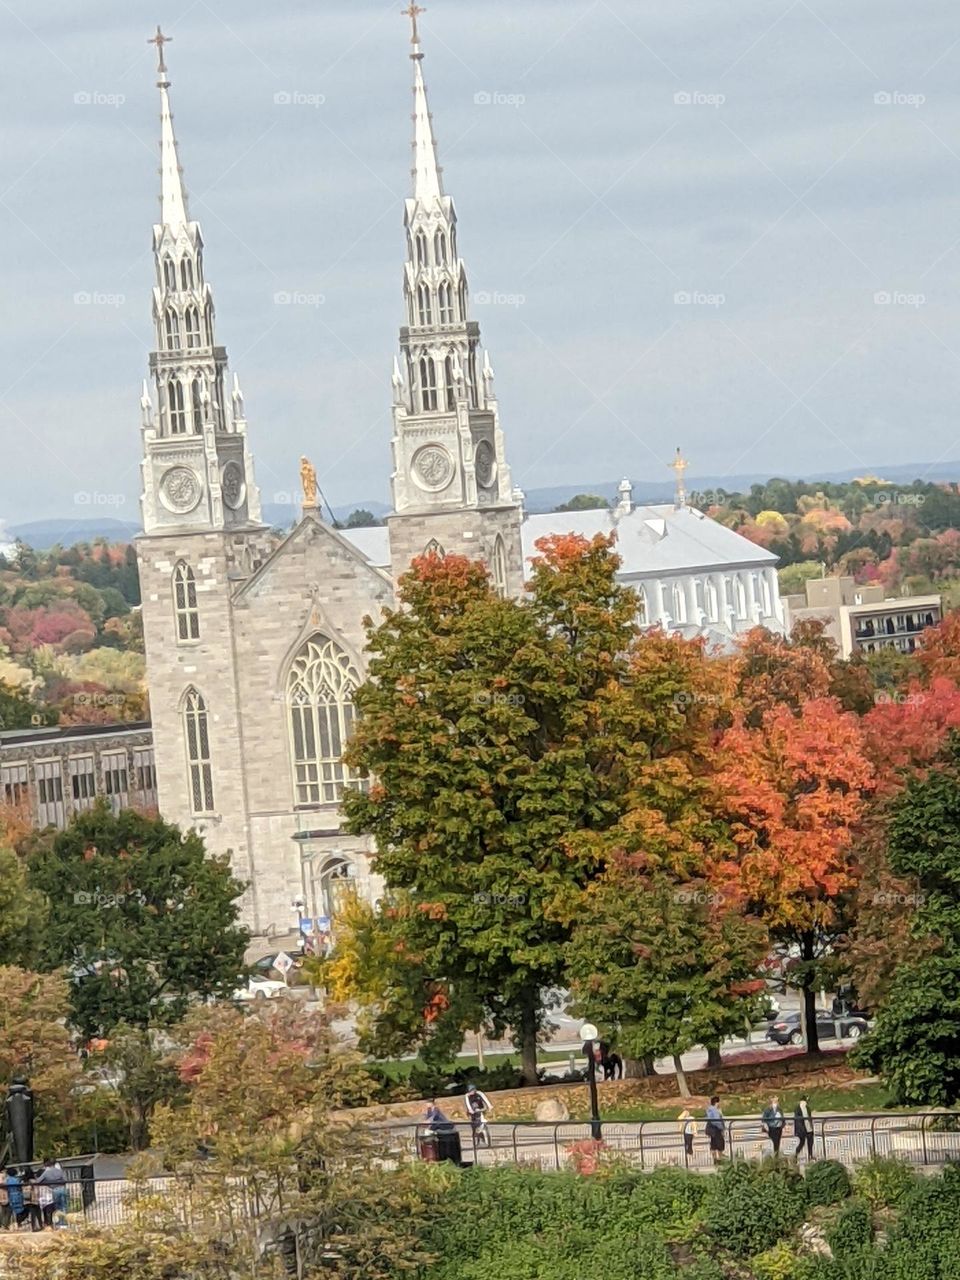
(590, 1036)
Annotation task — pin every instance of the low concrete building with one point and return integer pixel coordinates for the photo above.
(860, 618)
(58, 772)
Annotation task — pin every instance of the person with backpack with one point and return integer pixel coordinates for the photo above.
(715, 1129)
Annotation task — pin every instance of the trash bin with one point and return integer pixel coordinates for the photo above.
(428, 1146)
(448, 1146)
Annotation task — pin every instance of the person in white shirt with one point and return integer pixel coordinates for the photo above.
(477, 1106)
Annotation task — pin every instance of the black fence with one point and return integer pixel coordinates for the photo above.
(920, 1138)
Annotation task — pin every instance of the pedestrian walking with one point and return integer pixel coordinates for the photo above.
(478, 1108)
(715, 1129)
(688, 1127)
(773, 1121)
(803, 1127)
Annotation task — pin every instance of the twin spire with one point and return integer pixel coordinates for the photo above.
(427, 184)
(173, 198)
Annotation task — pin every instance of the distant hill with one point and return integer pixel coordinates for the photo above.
(42, 534)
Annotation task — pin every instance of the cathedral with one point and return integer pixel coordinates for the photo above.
(254, 646)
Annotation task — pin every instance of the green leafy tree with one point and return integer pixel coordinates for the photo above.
(23, 911)
(18, 710)
(915, 1044)
(491, 729)
(584, 502)
(140, 1075)
(665, 962)
(361, 518)
(143, 920)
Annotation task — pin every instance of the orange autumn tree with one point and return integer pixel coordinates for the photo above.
(795, 789)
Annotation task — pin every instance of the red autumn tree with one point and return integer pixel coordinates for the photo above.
(794, 791)
(938, 653)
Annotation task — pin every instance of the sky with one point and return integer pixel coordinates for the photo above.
(733, 228)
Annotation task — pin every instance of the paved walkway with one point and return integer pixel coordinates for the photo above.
(650, 1144)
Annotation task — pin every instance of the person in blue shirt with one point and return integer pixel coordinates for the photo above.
(715, 1129)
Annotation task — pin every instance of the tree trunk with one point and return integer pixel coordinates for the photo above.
(681, 1077)
(809, 994)
(528, 1038)
(638, 1068)
(714, 1056)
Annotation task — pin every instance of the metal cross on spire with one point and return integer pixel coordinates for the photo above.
(679, 466)
(160, 40)
(413, 12)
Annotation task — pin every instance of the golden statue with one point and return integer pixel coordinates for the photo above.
(308, 478)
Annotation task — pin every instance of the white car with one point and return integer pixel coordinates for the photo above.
(260, 989)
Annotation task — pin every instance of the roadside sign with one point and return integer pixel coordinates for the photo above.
(283, 964)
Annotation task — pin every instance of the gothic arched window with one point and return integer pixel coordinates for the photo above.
(440, 249)
(433, 548)
(421, 249)
(320, 691)
(462, 293)
(450, 382)
(428, 383)
(185, 602)
(169, 273)
(209, 320)
(186, 274)
(196, 733)
(178, 416)
(642, 607)
(445, 299)
(192, 323)
(424, 307)
(498, 566)
(197, 389)
(172, 329)
(679, 604)
(472, 378)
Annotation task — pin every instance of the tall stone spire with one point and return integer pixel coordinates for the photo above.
(427, 184)
(197, 470)
(448, 448)
(173, 199)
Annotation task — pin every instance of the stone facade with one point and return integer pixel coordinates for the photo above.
(55, 773)
(254, 647)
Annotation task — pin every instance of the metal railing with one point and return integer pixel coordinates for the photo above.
(920, 1138)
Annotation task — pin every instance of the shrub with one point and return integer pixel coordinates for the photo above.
(778, 1263)
(750, 1208)
(853, 1228)
(827, 1182)
(883, 1181)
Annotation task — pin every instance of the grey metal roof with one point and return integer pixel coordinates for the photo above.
(652, 541)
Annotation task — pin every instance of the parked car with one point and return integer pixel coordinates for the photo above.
(260, 989)
(264, 967)
(787, 1030)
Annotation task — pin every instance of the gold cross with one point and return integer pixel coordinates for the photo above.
(413, 12)
(160, 40)
(679, 465)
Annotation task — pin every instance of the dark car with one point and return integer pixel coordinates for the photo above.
(787, 1030)
(264, 967)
